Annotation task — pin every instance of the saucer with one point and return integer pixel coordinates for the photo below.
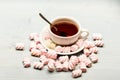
(45, 32)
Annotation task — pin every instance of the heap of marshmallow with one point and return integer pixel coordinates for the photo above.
(64, 49)
(54, 62)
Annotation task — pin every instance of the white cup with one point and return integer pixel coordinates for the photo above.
(67, 40)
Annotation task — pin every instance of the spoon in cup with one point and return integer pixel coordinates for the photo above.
(48, 21)
(61, 33)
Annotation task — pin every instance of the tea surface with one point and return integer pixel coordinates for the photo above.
(65, 29)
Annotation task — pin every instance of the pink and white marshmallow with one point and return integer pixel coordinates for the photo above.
(51, 66)
(39, 46)
(74, 60)
(65, 66)
(83, 67)
(94, 49)
(62, 59)
(66, 49)
(99, 43)
(26, 62)
(74, 48)
(97, 36)
(38, 65)
(51, 54)
(87, 52)
(51, 60)
(58, 66)
(89, 44)
(19, 46)
(93, 57)
(71, 65)
(83, 58)
(43, 59)
(88, 62)
(44, 52)
(76, 73)
(36, 52)
(58, 49)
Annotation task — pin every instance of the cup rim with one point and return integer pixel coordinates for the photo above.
(72, 19)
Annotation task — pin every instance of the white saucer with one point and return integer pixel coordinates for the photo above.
(42, 38)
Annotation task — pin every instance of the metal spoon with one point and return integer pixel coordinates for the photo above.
(61, 33)
(48, 21)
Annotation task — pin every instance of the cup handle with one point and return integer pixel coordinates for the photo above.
(84, 34)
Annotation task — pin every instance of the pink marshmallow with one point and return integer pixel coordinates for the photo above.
(51, 54)
(82, 57)
(87, 52)
(62, 59)
(97, 36)
(36, 52)
(74, 60)
(38, 65)
(26, 62)
(93, 57)
(39, 46)
(73, 48)
(71, 65)
(89, 44)
(99, 43)
(88, 63)
(76, 73)
(85, 59)
(83, 67)
(51, 60)
(51, 66)
(94, 49)
(43, 59)
(58, 66)
(58, 49)
(66, 49)
(19, 46)
(65, 66)
(44, 52)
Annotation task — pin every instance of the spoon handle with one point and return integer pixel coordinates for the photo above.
(44, 18)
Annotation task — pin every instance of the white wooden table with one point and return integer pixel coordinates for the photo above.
(19, 19)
